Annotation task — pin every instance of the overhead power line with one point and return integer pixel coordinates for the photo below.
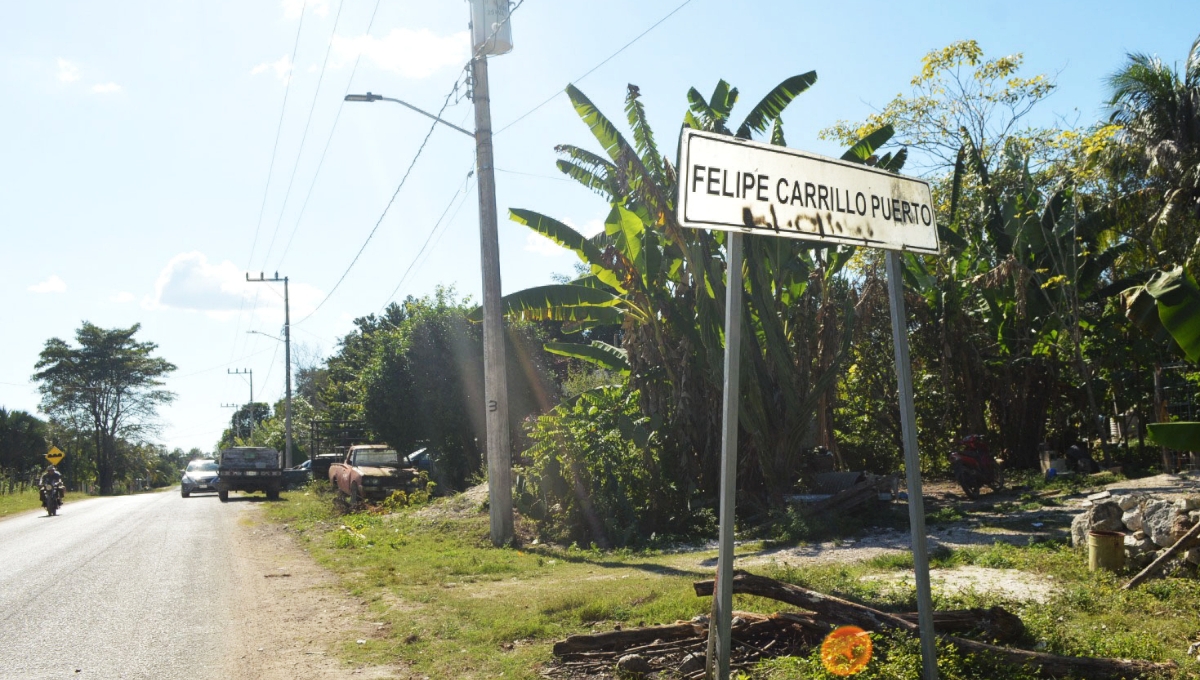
(463, 189)
(304, 136)
(596, 67)
(270, 171)
(278, 130)
(424, 142)
(333, 129)
(392, 200)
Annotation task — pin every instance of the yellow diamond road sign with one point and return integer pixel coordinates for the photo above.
(55, 455)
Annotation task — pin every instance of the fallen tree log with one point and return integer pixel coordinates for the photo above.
(996, 623)
(1162, 559)
(631, 637)
(846, 499)
(846, 612)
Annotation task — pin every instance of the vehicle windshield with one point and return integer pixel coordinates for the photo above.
(377, 457)
(202, 466)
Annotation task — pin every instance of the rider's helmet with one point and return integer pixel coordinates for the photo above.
(973, 443)
(51, 469)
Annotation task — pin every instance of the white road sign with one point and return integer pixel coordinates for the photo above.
(734, 184)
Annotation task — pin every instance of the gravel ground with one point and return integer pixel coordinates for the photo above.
(159, 587)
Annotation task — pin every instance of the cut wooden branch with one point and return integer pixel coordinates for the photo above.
(846, 499)
(845, 612)
(1159, 563)
(622, 639)
(996, 623)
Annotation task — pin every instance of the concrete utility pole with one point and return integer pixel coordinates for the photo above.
(249, 372)
(287, 359)
(495, 380)
(491, 34)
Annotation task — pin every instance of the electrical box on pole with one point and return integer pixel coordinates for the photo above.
(491, 31)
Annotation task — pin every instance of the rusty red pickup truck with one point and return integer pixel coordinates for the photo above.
(372, 472)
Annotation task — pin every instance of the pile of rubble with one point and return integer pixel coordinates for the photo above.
(1151, 525)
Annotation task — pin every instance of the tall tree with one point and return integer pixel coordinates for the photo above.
(22, 441)
(1158, 111)
(110, 381)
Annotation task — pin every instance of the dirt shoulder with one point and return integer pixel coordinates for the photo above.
(293, 614)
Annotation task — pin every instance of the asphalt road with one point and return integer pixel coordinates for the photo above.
(126, 587)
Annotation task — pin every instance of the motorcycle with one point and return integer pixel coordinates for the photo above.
(52, 498)
(974, 467)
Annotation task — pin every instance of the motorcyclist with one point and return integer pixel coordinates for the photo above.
(54, 478)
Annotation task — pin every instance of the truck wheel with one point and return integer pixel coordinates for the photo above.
(184, 492)
(272, 494)
(355, 496)
(223, 495)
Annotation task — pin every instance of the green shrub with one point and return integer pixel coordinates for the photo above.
(597, 474)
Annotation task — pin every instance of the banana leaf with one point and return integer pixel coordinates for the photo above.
(1178, 436)
(560, 302)
(599, 353)
(1177, 301)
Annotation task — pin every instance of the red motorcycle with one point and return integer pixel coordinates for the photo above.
(974, 467)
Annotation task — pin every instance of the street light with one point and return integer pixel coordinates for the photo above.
(267, 335)
(495, 387)
(372, 97)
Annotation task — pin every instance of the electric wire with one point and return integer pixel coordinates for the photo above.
(270, 172)
(386, 208)
(304, 136)
(594, 68)
(461, 190)
(278, 132)
(420, 149)
(213, 368)
(333, 129)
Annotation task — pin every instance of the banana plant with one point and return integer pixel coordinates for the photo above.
(1011, 287)
(664, 286)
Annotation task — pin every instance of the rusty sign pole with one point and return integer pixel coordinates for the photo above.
(912, 463)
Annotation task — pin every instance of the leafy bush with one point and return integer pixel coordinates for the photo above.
(401, 499)
(597, 473)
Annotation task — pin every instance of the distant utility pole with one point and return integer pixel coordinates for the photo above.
(492, 34)
(235, 407)
(249, 372)
(287, 358)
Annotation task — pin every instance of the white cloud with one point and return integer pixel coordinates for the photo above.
(412, 54)
(123, 297)
(293, 8)
(106, 88)
(282, 68)
(50, 285)
(190, 282)
(67, 72)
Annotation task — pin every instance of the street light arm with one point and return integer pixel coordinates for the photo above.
(266, 335)
(371, 97)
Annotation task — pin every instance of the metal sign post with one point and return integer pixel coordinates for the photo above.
(721, 619)
(742, 187)
(912, 462)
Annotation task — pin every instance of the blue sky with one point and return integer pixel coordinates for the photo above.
(136, 140)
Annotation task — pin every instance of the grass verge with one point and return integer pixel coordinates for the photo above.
(12, 503)
(454, 607)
